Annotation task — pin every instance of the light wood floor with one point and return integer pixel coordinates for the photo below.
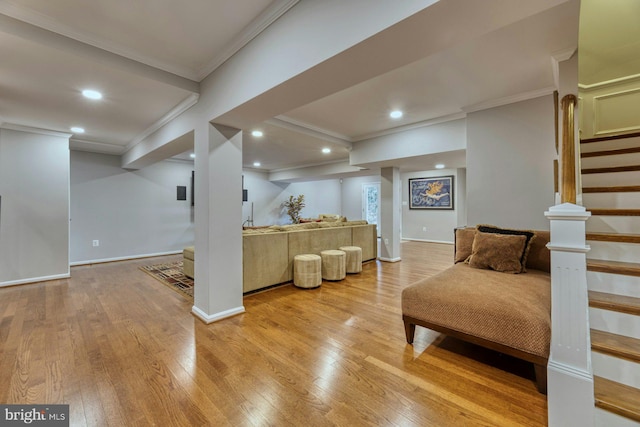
(123, 349)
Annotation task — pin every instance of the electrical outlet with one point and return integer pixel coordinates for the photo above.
(96, 243)
(386, 241)
(424, 228)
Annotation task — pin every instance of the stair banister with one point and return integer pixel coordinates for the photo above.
(568, 150)
(569, 371)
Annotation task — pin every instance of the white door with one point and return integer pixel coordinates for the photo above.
(371, 203)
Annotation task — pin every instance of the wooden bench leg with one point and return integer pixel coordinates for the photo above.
(541, 377)
(409, 330)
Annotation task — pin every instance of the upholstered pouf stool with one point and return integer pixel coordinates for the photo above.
(333, 264)
(353, 258)
(307, 271)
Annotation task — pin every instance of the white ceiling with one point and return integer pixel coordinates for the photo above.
(148, 56)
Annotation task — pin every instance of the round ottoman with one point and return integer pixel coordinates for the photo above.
(353, 258)
(306, 271)
(333, 264)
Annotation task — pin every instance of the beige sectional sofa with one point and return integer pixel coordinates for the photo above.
(268, 252)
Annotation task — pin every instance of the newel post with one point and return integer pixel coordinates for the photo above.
(569, 372)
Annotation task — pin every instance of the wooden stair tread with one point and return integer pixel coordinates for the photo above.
(630, 168)
(610, 137)
(619, 303)
(620, 189)
(614, 267)
(617, 398)
(615, 212)
(614, 237)
(615, 345)
(610, 152)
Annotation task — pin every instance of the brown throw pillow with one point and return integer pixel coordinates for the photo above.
(464, 243)
(500, 252)
(530, 236)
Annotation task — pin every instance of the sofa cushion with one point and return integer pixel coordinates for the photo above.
(189, 252)
(539, 257)
(500, 252)
(463, 243)
(530, 236)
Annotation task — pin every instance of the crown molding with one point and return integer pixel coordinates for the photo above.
(556, 59)
(45, 22)
(613, 82)
(255, 27)
(95, 147)
(311, 165)
(187, 103)
(22, 128)
(411, 126)
(259, 24)
(524, 96)
(310, 130)
(52, 39)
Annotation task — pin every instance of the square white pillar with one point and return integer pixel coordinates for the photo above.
(218, 220)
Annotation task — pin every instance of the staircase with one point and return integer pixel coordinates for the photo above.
(611, 192)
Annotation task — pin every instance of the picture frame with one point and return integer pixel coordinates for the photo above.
(431, 193)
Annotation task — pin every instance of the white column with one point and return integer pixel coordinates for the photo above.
(390, 211)
(218, 219)
(569, 372)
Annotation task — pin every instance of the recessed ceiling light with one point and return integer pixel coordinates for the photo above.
(77, 130)
(395, 114)
(257, 133)
(192, 155)
(92, 94)
(256, 164)
(439, 166)
(326, 150)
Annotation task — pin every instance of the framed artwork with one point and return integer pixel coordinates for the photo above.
(431, 193)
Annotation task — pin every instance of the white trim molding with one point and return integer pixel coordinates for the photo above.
(613, 82)
(389, 259)
(210, 318)
(35, 280)
(95, 147)
(21, 128)
(123, 258)
(258, 25)
(411, 126)
(498, 102)
(187, 103)
(556, 59)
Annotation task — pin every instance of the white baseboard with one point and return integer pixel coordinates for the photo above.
(123, 258)
(411, 239)
(210, 318)
(35, 280)
(389, 259)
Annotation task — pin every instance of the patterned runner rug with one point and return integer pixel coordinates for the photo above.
(171, 275)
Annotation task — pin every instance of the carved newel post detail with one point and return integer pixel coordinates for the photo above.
(570, 376)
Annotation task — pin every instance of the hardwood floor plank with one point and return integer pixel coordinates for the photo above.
(123, 349)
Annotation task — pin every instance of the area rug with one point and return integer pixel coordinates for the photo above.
(171, 275)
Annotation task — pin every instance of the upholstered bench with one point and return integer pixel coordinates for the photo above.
(509, 313)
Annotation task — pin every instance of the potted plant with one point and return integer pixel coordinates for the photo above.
(294, 205)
